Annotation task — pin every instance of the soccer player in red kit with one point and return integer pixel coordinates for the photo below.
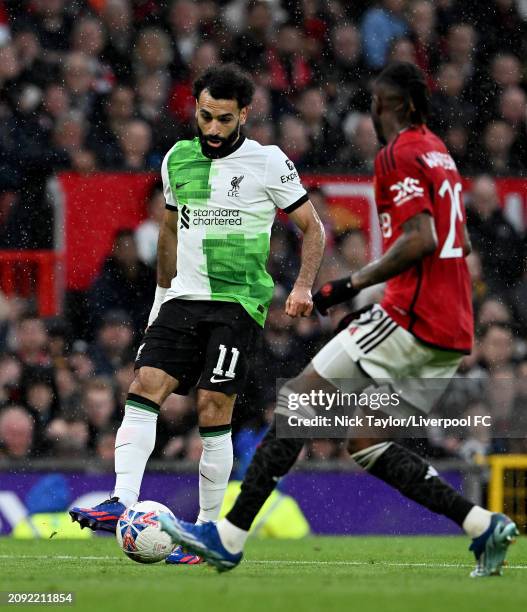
(417, 334)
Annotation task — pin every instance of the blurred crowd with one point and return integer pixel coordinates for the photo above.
(97, 85)
(92, 85)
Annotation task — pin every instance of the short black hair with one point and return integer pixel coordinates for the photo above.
(410, 82)
(226, 82)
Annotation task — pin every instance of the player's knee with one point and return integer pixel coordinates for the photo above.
(153, 384)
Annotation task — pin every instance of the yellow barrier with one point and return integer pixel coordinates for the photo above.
(508, 487)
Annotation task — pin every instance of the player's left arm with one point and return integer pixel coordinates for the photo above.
(300, 302)
(285, 190)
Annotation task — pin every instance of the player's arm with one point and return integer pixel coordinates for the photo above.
(167, 249)
(166, 243)
(299, 302)
(285, 190)
(166, 260)
(418, 240)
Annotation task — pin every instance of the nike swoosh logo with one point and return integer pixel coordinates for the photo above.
(179, 185)
(125, 444)
(218, 380)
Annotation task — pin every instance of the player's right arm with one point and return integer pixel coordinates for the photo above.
(166, 245)
(166, 260)
(167, 249)
(418, 240)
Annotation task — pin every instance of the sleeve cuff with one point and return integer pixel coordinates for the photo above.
(170, 206)
(289, 209)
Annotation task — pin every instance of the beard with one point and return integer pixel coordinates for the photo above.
(226, 143)
(378, 129)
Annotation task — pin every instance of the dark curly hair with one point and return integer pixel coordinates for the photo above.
(226, 82)
(409, 82)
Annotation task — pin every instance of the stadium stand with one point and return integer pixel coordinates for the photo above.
(98, 86)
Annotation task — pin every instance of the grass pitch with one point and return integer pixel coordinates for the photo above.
(362, 574)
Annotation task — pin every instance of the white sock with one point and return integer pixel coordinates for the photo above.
(233, 538)
(477, 521)
(214, 470)
(134, 444)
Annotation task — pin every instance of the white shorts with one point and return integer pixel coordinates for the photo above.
(375, 347)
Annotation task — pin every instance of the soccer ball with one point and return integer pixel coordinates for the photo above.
(139, 533)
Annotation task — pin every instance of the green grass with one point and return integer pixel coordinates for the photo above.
(323, 574)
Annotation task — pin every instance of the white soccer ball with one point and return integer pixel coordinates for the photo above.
(139, 533)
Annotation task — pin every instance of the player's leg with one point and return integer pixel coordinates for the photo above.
(136, 437)
(215, 466)
(412, 475)
(417, 479)
(222, 545)
(273, 459)
(134, 443)
(168, 360)
(229, 335)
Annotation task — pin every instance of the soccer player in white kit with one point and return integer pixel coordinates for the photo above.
(222, 193)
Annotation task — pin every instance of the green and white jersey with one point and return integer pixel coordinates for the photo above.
(226, 208)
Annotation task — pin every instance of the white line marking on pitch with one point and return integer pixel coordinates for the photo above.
(269, 561)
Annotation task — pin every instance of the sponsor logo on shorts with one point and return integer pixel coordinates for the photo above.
(213, 379)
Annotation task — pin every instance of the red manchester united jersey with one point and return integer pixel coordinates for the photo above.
(414, 174)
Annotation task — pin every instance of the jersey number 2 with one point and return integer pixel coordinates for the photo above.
(449, 251)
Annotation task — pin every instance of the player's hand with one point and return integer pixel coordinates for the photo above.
(334, 292)
(300, 302)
